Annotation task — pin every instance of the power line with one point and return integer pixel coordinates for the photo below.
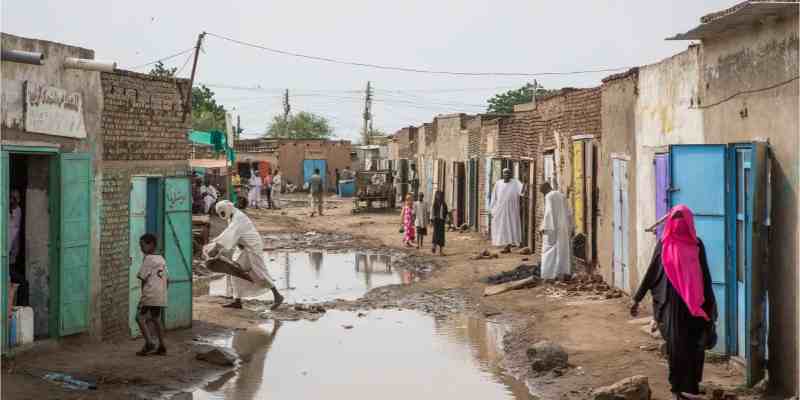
(405, 69)
(185, 63)
(750, 92)
(165, 58)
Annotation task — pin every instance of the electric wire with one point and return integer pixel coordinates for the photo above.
(407, 69)
(164, 59)
(731, 97)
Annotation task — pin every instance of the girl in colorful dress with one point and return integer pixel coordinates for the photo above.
(408, 221)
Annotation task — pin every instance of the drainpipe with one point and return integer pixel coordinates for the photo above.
(22, 57)
(90, 65)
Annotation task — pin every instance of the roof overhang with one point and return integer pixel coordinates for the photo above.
(742, 15)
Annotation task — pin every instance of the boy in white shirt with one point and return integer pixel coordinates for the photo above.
(421, 217)
(153, 276)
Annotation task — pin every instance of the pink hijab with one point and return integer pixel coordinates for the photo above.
(680, 256)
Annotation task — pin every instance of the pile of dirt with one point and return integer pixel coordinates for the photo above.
(584, 284)
(521, 272)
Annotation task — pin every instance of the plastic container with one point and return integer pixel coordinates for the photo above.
(347, 188)
(12, 331)
(24, 317)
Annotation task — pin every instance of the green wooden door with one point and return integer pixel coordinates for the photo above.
(137, 223)
(178, 251)
(74, 242)
(4, 245)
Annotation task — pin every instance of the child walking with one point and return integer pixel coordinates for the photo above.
(439, 215)
(421, 216)
(408, 221)
(153, 276)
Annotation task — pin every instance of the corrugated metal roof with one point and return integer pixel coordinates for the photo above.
(743, 14)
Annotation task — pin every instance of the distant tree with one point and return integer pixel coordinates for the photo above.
(160, 70)
(503, 103)
(207, 114)
(303, 125)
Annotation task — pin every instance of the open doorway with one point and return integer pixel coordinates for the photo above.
(31, 265)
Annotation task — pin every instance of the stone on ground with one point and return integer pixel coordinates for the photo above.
(547, 356)
(633, 388)
(219, 356)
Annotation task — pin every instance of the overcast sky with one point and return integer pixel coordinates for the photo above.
(452, 35)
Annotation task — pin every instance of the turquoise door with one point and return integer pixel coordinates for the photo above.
(3, 246)
(749, 224)
(698, 180)
(178, 251)
(308, 170)
(74, 242)
(138, 214)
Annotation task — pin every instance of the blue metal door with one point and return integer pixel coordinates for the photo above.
(698, 177)
(749, 224)
(308, 169)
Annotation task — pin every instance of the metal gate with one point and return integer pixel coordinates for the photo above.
(621, 224)
(178, 251)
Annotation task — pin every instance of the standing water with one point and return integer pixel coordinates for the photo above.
(318, 276)
(387, 354)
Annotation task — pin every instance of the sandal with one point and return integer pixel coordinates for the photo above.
(146, 349)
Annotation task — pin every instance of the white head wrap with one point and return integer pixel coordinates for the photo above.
(224, 209)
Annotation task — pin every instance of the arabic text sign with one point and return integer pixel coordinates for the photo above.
(53, 111)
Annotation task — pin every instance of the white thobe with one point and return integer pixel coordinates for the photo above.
(506, 224)
(556, 225)
(211, 198)
(242, 232)
(255, 190)
(276, 191)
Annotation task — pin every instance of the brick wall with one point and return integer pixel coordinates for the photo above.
(142, 125)
(143, 117)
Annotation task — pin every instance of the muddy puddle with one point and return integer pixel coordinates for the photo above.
(386, 354)
(319, 276)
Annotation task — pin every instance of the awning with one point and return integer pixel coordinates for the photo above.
(213, 138)
(742, 15)
(208, 163)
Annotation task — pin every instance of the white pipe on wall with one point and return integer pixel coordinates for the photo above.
(90, 65)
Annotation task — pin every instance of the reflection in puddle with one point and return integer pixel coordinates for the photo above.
(388, 354)
(317, 276)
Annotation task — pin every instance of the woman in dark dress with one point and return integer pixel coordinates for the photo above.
(439, 215)
(683, 301)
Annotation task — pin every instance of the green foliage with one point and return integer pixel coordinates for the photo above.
(303, 125)
(207, 115)
(160, 70)
(503, 103)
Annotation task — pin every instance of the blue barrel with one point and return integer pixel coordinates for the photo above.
(347, 188)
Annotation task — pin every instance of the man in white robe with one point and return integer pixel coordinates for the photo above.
(556, 226)
(242, 233)
(209, 194)
(277, 186)
(255, 189)
(504, 206)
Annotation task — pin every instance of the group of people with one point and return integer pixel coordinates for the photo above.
(270, 185)
(415, 218)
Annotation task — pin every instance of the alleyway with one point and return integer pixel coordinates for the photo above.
(435, 336)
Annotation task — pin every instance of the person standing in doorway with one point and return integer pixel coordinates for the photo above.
(684, 306)
(421, 217)
(316, 191)
(414, 179)
(555, 231)
(407, 219)
(16, 268)
(277, 182)
(504, 206)
(153, 276)
(439, 215)
(242, 233)
(338, 176)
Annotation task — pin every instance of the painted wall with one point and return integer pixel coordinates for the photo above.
(753, 57)
(291, 154)
(87, 83)
(618, 106)
(451, 145)
(665, 115)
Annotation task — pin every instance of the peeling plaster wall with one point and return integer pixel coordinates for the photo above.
(665, 115)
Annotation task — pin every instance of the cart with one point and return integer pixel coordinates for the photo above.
(374, 187)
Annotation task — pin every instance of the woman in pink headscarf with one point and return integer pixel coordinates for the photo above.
(683, 301)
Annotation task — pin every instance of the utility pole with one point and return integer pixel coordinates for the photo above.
(367, 114)
(187, 105)
(286, 109)
(238, 125)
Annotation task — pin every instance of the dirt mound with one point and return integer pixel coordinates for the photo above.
(521, 272)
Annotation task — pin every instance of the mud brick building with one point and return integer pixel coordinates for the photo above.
(144, 184)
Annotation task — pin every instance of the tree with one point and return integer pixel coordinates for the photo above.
(160, 70)
(207, 115)
(503, 103)
(303, 125)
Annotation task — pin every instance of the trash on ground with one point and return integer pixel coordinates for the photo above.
(633, 388)
(70, 382)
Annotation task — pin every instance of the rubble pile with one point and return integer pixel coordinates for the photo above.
(584, 284)
(521, 272)
(485, 255)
